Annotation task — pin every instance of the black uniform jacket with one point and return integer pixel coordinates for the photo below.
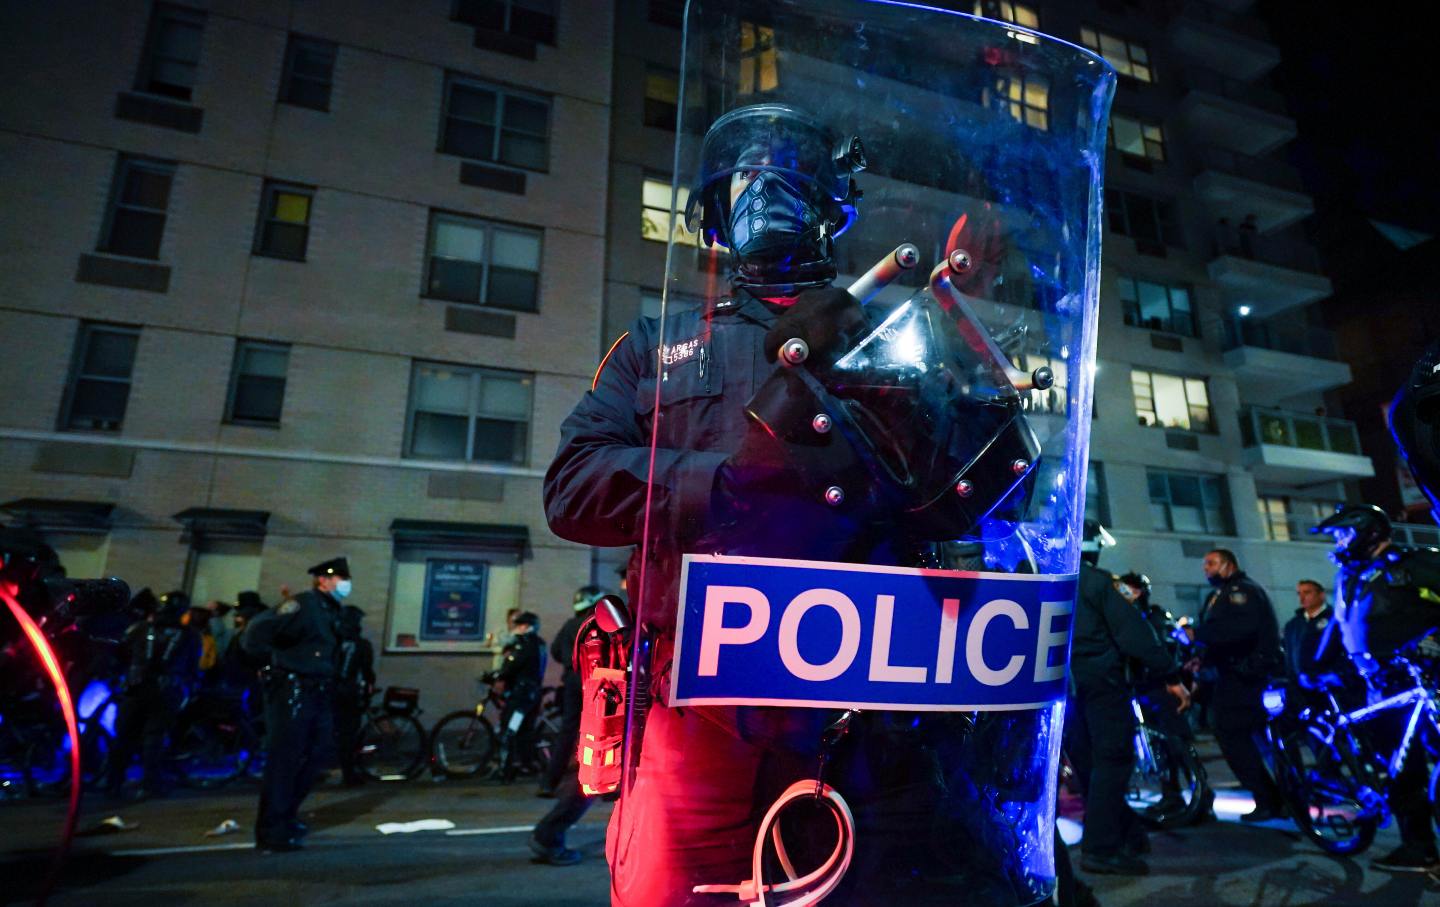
(524, 663)
(298, 637)
(1305, 664)
(1108, 631)
(1395, 600)
(1239, 630)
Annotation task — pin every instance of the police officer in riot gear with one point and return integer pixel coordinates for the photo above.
(1241, 640)
(163, 667)
(1389, 599)
(354, 683)
(299, 640)
(1108, 630)
(520, 676)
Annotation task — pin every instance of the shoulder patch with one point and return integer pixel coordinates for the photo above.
(606, 358)
(1238, 598)
(289, 607)
(1322, 623)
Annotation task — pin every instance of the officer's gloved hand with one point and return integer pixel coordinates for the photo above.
(828, 319)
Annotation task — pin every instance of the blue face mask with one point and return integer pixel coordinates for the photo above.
(342, 590)
(771, 220)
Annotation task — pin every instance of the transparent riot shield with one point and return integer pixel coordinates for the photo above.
(863, 507)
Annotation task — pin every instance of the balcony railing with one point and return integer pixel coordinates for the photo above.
(1197, 78)
(1280, 336)
(1419, 535)
(1241, 23)
(1263, 425)
(1263, 170)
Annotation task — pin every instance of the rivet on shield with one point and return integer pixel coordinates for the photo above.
(1019, 467)
(960, 261)
(795, 351)
(821, 423)
(964, 488)
(1043, 378)
(834, 495)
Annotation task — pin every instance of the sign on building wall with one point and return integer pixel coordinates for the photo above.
(454, 600)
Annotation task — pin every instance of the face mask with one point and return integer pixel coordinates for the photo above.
(1215, 579)
(771, 221)
(342, 589)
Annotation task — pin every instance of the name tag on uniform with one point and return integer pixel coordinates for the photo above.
(763, 631)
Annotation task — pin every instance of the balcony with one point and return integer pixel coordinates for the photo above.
(1276, 360)
(1295, 449)
(1269, 273)
(1232, 42)
(1244, 117)
(1235, 185)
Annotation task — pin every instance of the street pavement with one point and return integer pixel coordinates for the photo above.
(167, 859)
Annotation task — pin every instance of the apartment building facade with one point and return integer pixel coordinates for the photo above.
(286, 281)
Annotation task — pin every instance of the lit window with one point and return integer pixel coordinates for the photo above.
(1006, 11)
(100, 379)
(759, 61)
(1275, 514)
(1025, 97)
(1189, 502)
(471, 414)
(1170, 401)
(1136, 137)
(532, 19)
(662, 98)
(139, 198)
(309, 70)
(659, 222)
(1129, 59)
(472, 260)
(284, 229)
(257, 382)
(1157, 306)
(1051, 401)
(172, 52)
(484, 123)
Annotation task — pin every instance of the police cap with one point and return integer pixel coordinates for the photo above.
(529, 618)
(336, 566)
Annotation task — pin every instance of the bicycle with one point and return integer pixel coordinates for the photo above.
(467, 744)
(1334, 779)
(392, 745)
(1168, 786)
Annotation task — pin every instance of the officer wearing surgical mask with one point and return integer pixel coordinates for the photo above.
(298, 641)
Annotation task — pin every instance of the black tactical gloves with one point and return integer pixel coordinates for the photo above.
(828, 319)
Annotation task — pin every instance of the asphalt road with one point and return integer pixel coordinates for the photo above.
(483, 860)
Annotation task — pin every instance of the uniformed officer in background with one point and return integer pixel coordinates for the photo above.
(1241, 640)
(520, 677)
(1108, 630)
(354, 684)
(299, 640)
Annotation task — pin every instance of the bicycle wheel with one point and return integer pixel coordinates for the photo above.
(211, 750)
(392, 747)
(1167, 786)
(1331, 804)
(464, 744)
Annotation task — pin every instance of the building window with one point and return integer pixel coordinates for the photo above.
(1189, 502)
(658, 221)
(679, 302)
(1275, 514)
(284, 229)
(1015, 13)
(172, 52)
(257, 382)
(1157, 306)
(530, 19)
(759, 61)
(223, 568)
(1171, 401)
(1097, 501)
(1025, 98)
(100, 378)
(476, 261)
(1128, 58)
(1143, 218)
(1137, 137)
(139, 198)
(309, 72)
(485, 123)
(478, 415)
(662, 97)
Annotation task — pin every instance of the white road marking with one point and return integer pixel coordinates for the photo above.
(197, 848)
(502, 830)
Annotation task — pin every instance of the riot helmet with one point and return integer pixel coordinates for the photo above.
(1093, 540)
(587, 596)
(1415, 423)
(171, 608)
(1138, 582)
(775, 188)
(1356, 529)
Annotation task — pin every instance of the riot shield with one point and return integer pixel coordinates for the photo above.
(868, 405)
